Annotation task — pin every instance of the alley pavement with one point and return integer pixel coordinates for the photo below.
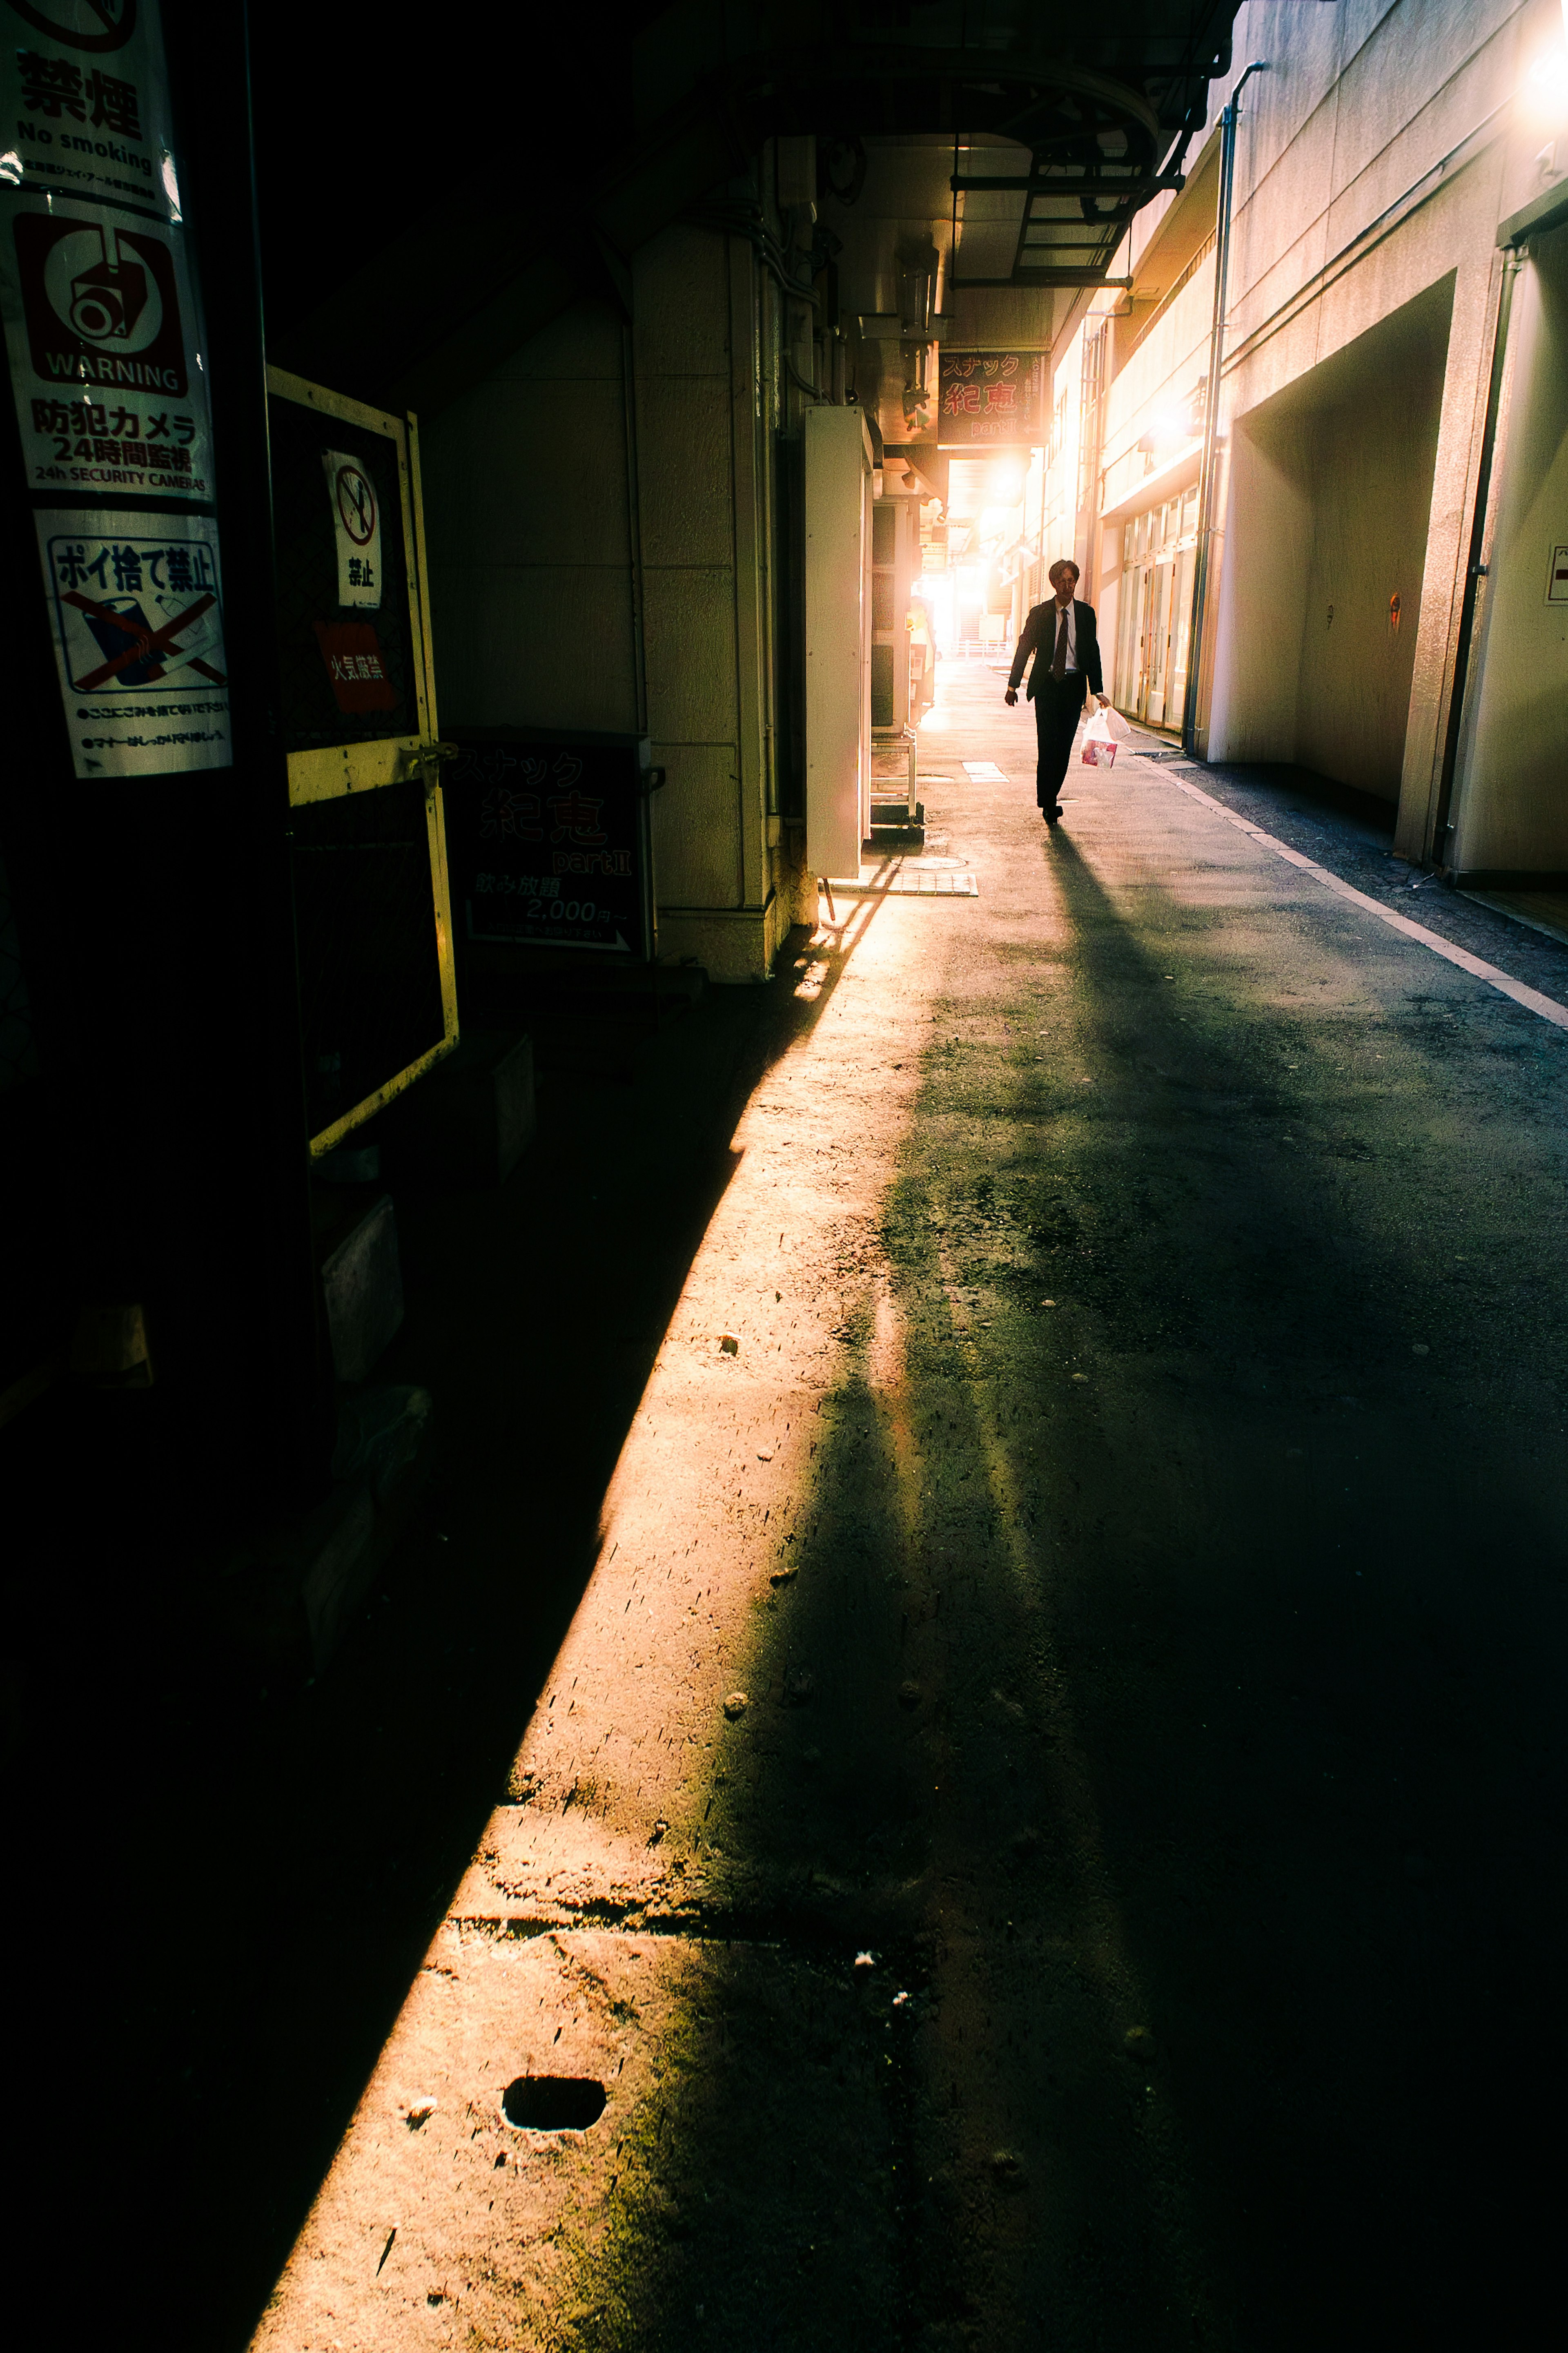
(1011, 1789)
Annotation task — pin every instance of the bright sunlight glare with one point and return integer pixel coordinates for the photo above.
(1545, 93)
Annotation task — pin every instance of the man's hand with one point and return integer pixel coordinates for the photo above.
(1012, 694)
(1103, 701)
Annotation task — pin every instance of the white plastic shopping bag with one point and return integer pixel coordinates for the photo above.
(1099, 743)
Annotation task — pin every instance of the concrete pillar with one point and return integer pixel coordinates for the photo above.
(704, 487)
(541, 540)
(1509, 814)
(1476, 284)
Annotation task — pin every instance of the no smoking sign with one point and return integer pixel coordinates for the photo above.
(356, 522)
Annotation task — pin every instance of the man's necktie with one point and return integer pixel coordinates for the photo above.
(1059, 659)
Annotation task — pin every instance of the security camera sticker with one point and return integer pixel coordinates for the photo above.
(109, 388)
(101, 305)
(136, 606)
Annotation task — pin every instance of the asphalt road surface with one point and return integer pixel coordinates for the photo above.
(1033, 1781)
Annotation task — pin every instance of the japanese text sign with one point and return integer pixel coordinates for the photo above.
(135, 604)
(356, 665)
(102, 331)
(99, 319)
(84, 105)
(346, 630)
(100, 315)
(357, 526)
(548, 845)
(988, 400)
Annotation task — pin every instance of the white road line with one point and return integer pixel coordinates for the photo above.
(1531, 998)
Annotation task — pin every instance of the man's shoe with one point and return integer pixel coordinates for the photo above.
(1051, 814)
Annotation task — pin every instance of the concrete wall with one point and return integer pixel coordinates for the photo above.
(686, 469)
(1161, 376)
(1261, 568)
(1372, 498)
(1511, 813)
(1331, 493)
(1373, 164)
(601, 541)
(530, 541)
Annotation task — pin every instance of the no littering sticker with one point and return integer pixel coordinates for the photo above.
(136, 613)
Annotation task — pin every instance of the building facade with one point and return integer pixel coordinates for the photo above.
(1382, 604)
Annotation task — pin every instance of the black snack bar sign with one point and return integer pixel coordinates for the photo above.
(548, 844)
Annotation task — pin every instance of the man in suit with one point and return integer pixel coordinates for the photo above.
(1061, 637)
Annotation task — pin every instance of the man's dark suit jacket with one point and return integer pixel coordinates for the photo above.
(1039, 638)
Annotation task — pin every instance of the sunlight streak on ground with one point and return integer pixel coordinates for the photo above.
(614, 1780)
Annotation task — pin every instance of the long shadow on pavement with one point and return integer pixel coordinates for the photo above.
(1165, 1698)
(274, 1860)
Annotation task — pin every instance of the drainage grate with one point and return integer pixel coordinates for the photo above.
(911, 881)
(553, 2102)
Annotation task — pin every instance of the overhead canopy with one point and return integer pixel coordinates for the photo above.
(1091, 112)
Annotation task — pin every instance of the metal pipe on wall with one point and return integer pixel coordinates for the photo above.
(1438, 849)
(1228, 120)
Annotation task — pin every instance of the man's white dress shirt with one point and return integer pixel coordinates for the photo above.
(1072, 634)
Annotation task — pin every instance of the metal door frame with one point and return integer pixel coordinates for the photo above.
(329, 772)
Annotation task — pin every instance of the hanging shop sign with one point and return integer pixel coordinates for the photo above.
(105, 350)
(548, 841)
(988, 400)
(136, 609)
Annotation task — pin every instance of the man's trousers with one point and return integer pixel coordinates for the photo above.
(1058, 707)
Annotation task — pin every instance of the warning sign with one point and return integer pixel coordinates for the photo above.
(135, 604)
(84, 106)
(101, 303)
(100, 324)
(95, 25)
(352, 651)
(548, 843)
(356, 521)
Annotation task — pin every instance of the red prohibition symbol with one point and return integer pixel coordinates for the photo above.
(118, 18)
(356, 505)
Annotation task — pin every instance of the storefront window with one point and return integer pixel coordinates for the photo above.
(1155, 611)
